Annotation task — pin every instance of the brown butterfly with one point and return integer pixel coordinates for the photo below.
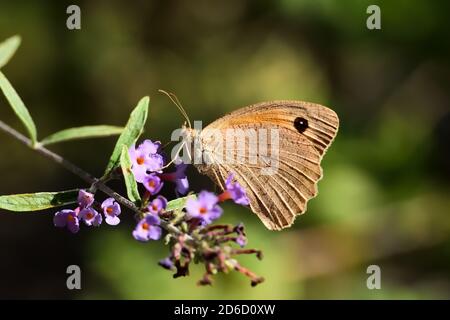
(305, 131)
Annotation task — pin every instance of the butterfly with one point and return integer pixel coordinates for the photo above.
(305, 131)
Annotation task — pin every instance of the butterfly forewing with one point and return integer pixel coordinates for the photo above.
(304, 130)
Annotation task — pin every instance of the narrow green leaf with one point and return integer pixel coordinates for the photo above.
(18, 107)
(131, 132)
(82, 133)
(130, 181)
(7, 49)
(179, 203)
(37, 201)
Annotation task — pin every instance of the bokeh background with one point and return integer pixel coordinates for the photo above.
(385, 196)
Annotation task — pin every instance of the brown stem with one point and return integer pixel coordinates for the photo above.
(255, 279)
(248, 251)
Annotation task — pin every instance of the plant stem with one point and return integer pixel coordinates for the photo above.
(82, 174)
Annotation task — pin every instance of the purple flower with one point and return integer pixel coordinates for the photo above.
(234, 191)
(178, 177)
(153, 183)
(90, 217)
(241, 240)
(182, 186)
(67, 218)
(150, 147)
(148, 228)
(85, 199)
(156, 163)
(157, 205)
(111, 210)
(204, 207)
(181, 178)
(145, 158)
(166, 263)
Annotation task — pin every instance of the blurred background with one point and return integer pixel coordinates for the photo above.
(384, 199)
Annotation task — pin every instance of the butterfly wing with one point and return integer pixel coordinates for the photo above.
(305, 131)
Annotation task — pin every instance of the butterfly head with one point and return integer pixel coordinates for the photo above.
(188, 133)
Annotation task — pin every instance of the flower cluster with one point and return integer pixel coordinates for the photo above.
(88, 211)
(147, 164)
(200, 241)
(205, 208)
(147, 167)
(191, 235)
(212, 249)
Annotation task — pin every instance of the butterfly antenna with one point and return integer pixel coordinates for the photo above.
(177, 103)
(181, 108)
(167, 144)
(172, 160)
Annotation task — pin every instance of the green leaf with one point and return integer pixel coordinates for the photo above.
(18, 107)
(131, 132)
(37, 201)
(179, 203)
(7, 49)
(130, 181)
(82, 133)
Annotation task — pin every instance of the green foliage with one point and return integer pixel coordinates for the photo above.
(131, 132)
(82, 133)
(130, 181)
(179, 203)
(8, 48)
(18, 106)
(37, 201)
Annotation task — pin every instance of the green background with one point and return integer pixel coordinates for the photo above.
(384, 199)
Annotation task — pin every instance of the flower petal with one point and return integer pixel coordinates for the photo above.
(60, 219)
(73, 226)
(208, 199)
(154, 233)
(85, 199)
(140, 234)
(182, 186)
(112, 220)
